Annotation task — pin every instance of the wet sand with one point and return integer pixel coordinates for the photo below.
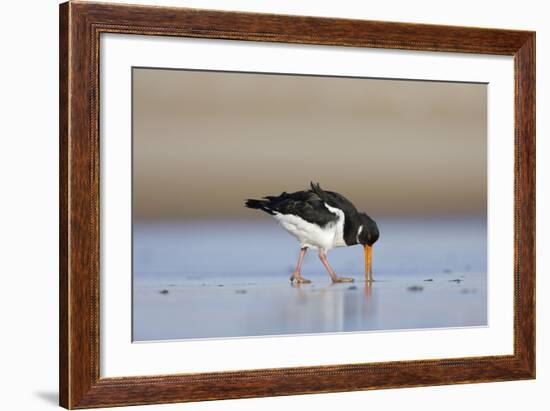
(221, 279)
(205, 309)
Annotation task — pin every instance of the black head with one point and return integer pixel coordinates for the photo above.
(368, 230)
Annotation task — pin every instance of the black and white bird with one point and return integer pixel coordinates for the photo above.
(321, 220)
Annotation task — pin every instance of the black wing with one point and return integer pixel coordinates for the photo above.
(333, 199)
(304, 204)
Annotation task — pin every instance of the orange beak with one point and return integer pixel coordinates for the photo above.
(368, 263)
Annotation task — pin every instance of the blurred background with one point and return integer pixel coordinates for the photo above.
(412, 154)
(205, 141)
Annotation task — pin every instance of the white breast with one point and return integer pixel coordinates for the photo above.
(311, 235)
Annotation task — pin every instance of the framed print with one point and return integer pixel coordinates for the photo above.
(258, 205)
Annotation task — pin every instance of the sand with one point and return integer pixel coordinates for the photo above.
(248, 308)
(184, 288)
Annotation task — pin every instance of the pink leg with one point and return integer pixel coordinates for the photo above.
(296, 275)
(333, 276)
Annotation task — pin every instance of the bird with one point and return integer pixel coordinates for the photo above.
(321, 220)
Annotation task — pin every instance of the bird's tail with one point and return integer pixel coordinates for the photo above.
(259, 205)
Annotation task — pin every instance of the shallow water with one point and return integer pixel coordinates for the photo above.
(216, 279)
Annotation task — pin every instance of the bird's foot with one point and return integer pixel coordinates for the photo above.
(298, 279)
(342, 280)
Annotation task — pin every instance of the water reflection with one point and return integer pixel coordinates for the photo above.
(330, 307)
(236, 296)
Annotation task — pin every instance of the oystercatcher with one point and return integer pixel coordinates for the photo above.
(321, 220)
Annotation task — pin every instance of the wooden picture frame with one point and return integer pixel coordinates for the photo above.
(80, 27)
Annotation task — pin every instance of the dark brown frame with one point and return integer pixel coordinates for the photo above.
(79, 380)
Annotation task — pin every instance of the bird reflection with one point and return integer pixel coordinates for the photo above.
(368, 290)
(335, 306)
